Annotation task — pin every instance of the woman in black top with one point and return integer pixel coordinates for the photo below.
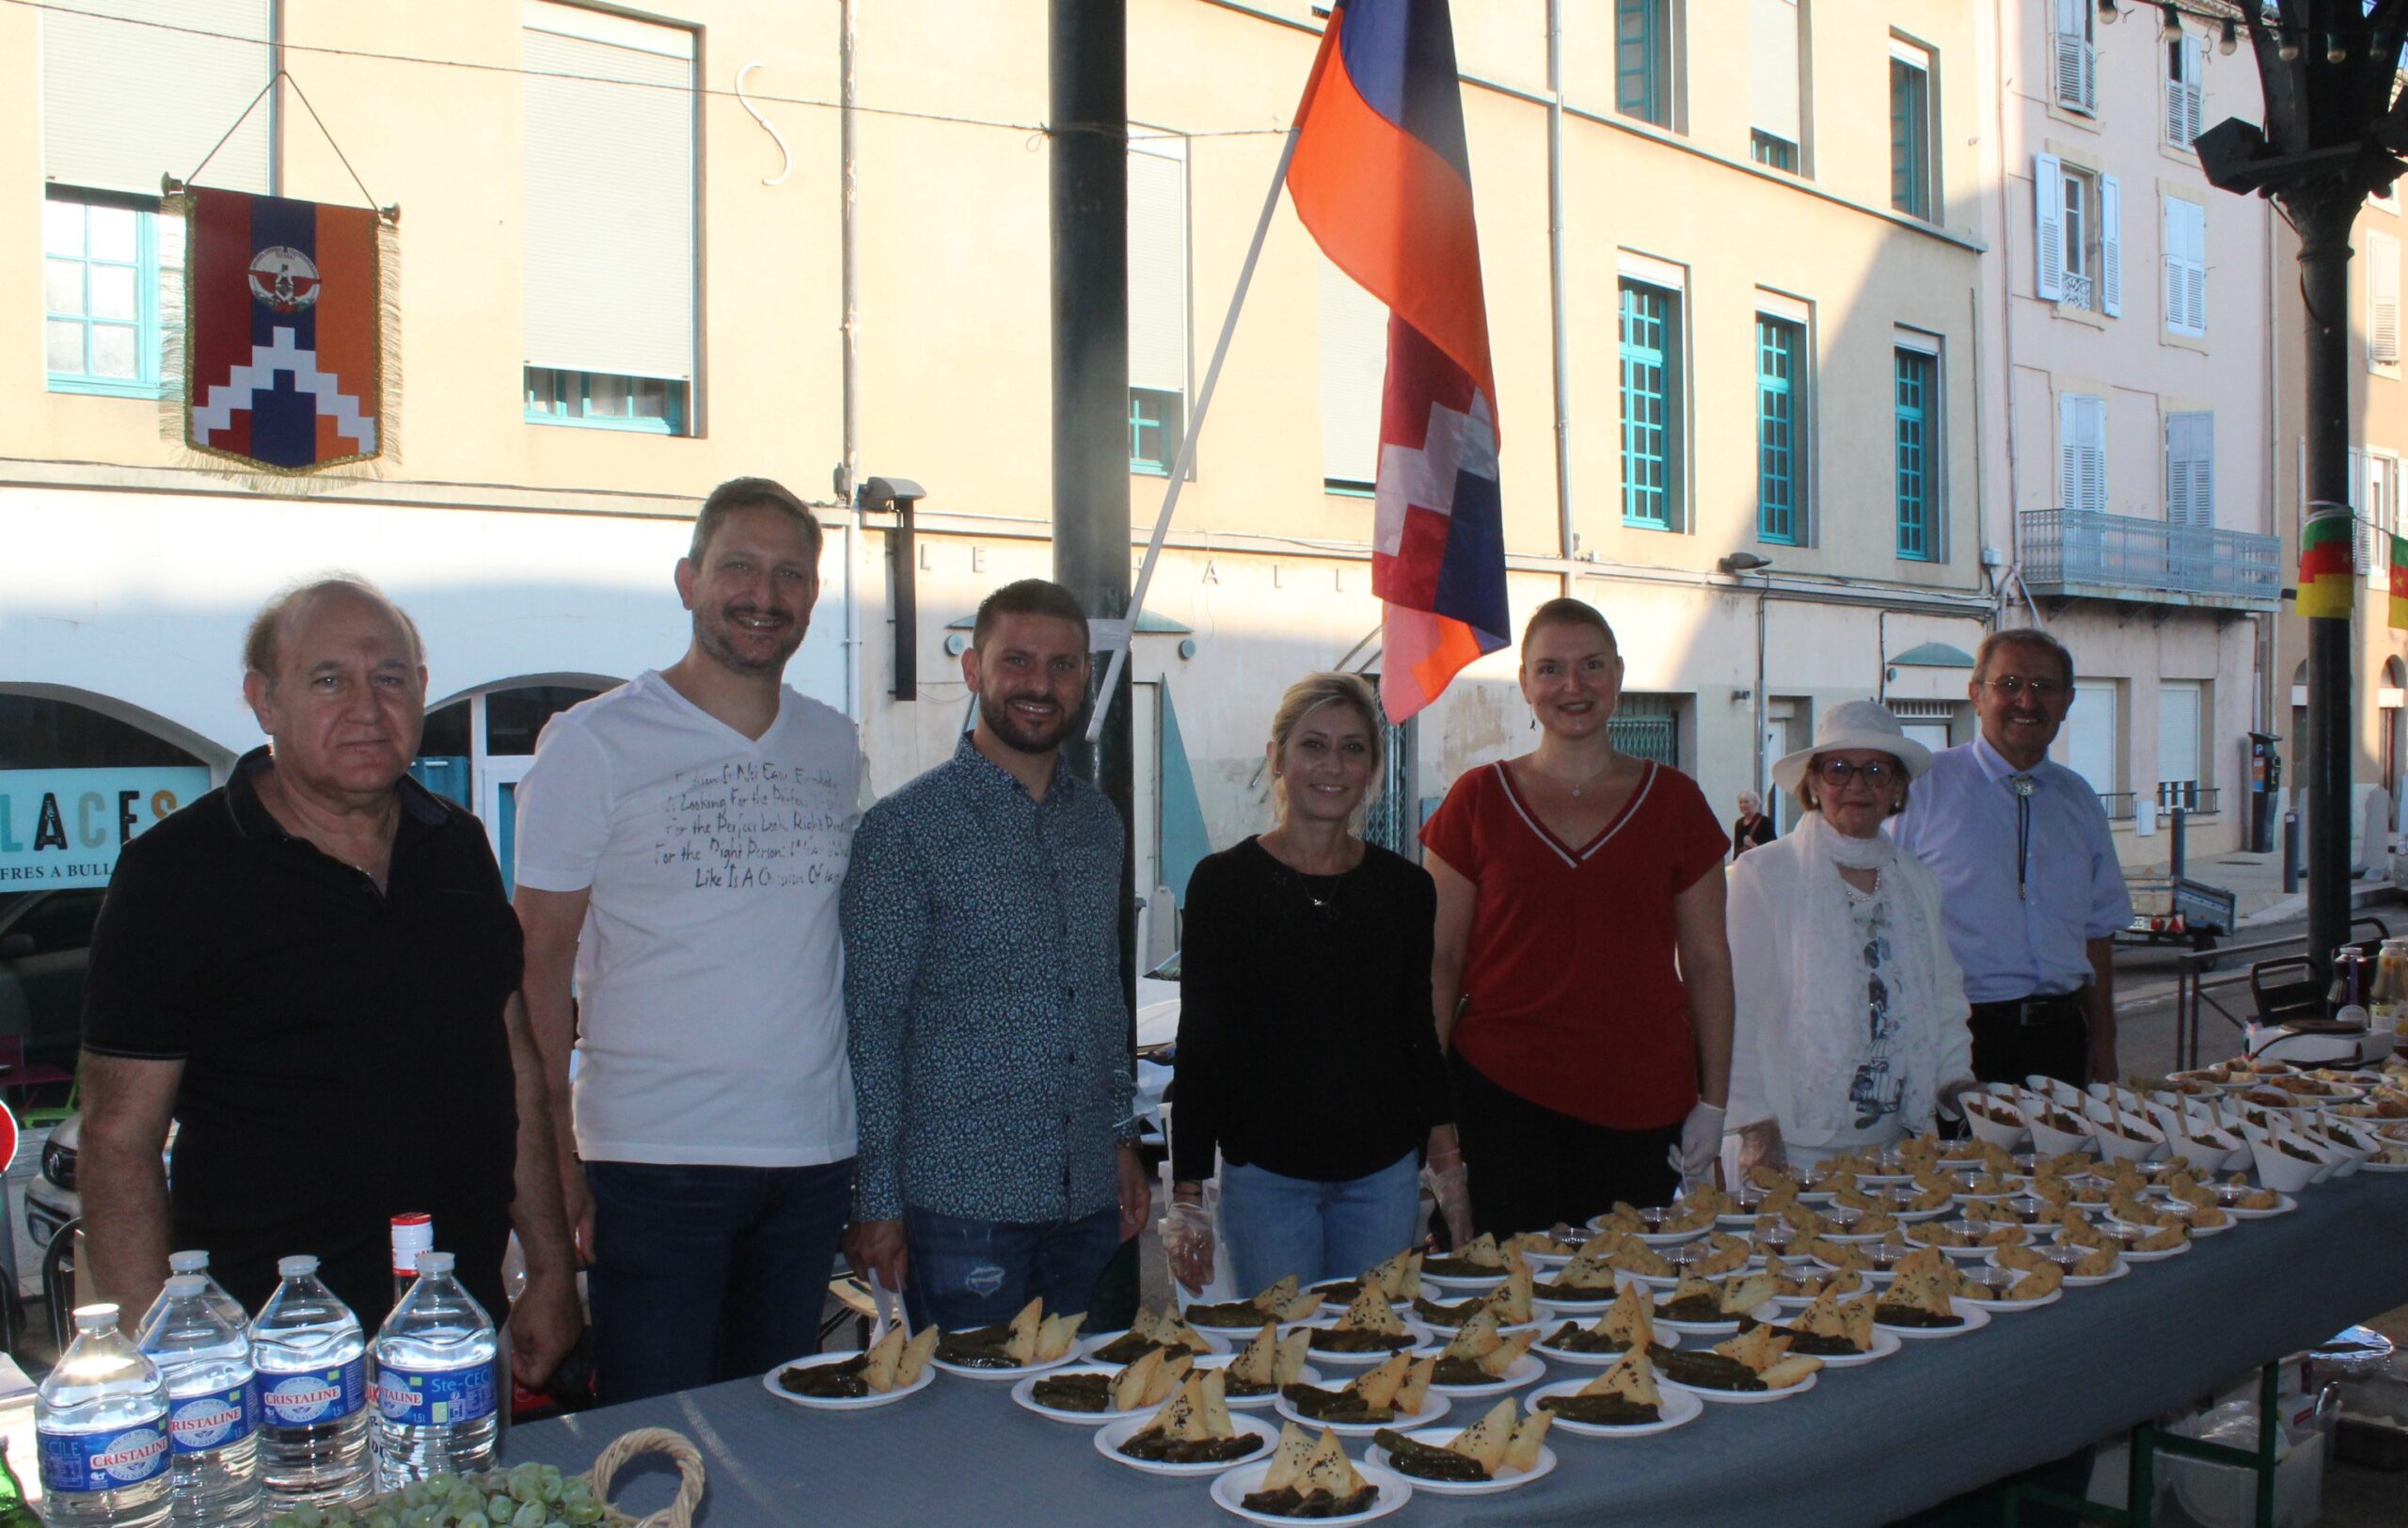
(1754, 829)
(1307, 1054)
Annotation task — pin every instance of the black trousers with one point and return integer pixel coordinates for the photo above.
(2047, 1035)
(1531, 1166)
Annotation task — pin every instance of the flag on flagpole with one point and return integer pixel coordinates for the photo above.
(2327, 579)
(1382, 179)
(284, 333)
(2400, 583)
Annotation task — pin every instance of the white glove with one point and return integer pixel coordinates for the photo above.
(1701, 1143)
(1451, 1188)
(1187, 1243)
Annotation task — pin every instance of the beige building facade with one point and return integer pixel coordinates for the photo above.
(1735, 262)
(2128, 469)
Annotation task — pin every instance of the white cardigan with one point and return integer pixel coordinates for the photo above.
(1765, 886)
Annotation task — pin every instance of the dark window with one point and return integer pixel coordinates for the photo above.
(39, 733)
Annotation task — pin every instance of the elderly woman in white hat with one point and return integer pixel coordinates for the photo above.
(1851, 1015)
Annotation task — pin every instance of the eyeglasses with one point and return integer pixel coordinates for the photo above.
(1837, 771)
(2042, 690)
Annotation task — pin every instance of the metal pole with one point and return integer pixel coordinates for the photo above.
(849, 472)
(2324, 281)
(2181, 821)
(1089, 175)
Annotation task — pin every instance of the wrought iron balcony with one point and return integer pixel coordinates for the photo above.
(2083, 553)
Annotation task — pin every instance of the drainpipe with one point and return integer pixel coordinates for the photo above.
(848, 475)
(2007, 296)
(1568, 541)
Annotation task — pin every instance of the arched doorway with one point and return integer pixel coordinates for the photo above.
(477, 747)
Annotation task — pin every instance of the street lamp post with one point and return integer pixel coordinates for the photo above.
(2327, 70)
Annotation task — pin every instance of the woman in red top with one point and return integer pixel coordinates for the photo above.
(1587, 1066)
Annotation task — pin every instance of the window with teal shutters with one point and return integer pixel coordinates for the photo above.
(1650, 440)
(1916, 423)
(1643, 60)
(1909, 139)
(1778, 413)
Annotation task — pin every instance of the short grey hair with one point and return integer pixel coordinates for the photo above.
(2022, 636)
(263, 640)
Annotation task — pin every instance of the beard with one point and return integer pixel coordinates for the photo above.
(713, 635)
(1015, 733)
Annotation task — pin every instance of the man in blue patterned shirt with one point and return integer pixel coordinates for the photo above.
(988, 1035)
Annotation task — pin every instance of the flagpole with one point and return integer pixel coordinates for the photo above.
(1187, 446)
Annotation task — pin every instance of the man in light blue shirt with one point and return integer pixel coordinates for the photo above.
(2030, 889)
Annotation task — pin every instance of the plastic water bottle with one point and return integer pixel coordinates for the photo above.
(101, 1422)
(212, 1406)
(227, 1305)
(435, 1404)
(313, 1393)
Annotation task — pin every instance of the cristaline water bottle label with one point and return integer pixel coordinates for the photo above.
(198, 1423)
(300, 1400)
(435, 1397)
(101, 1461)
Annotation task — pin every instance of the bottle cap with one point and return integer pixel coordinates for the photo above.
(412, 1234)
(297, 1267)
(433, 1262)
(101, 1317)
(188, 1262)
(186, 1286)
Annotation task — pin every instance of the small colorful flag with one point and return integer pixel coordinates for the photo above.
(2327, 579)
(2400, 583)
(283, 332)
(1382, 178)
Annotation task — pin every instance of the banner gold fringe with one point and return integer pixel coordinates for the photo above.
(175, 368)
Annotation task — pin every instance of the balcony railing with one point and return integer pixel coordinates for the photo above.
(2101, 556)
(2077, 291)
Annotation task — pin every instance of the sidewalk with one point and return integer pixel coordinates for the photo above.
(2255, 882)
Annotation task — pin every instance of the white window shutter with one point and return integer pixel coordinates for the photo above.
(2111, 248)
(608, 247)
(2069, 451)
(2186, 271)
(2357, 510)
(2092, 483)
(2082, 453)
(2190, 469)
(1353, 371)
(2382, 300)
(1158, 265)
(134, 89)
(2176, 86)
(2049, 216)
(2194, 86)
(1773, 71)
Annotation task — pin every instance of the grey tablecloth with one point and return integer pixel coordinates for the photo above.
(1865, 1446)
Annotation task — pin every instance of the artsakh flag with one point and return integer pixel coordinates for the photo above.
(2327, 578)
(2400, 583)
(1381, 178)
(282, 332)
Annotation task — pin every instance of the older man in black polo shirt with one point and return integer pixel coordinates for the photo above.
(314, 971)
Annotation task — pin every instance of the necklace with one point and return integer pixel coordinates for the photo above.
(1587, 780)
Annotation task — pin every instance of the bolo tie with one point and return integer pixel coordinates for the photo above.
(2022, 785)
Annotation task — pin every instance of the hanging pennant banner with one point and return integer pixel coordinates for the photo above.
(284, 340)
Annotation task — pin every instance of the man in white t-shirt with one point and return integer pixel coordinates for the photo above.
(681, 842)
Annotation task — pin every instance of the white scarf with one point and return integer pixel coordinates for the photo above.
(1830, 1034)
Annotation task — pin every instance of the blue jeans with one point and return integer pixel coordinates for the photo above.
(708, 1273)
(964, 1272)
(1276, 1225)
